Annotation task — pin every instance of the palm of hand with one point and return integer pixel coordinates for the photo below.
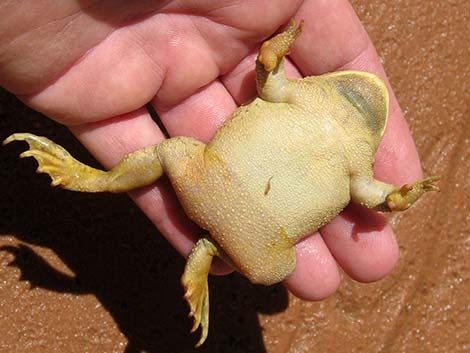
(94, 66)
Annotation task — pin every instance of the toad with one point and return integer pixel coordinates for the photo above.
(282, 166)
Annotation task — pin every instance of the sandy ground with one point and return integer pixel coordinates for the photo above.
(89, 273)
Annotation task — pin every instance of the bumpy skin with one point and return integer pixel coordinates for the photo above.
(281, 167)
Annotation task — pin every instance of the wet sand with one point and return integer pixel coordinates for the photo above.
(89, 273)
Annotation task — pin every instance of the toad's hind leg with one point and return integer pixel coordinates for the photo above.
(194, 281)
(137, 169)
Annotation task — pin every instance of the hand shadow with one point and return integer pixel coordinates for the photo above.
(39, 273)
(116, 254)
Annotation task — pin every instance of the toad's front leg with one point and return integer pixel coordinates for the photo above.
(402, 198)
(271, 82)
(137, 169)
(380, 196)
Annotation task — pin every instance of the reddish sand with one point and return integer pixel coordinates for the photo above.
(89, 273)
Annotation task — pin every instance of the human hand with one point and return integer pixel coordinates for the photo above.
(93, 67)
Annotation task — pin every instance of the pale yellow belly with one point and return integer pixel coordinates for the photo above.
(262, 184)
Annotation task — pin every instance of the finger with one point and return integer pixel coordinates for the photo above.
(316, 274)
(163, 55)
(241, 81)
(362, 243)
(199, 115)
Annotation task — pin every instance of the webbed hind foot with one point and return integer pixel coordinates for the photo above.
(194, 281)
(64, 170)
(137, 169)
